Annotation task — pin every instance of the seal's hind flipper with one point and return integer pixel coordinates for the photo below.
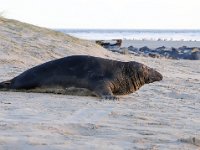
(5, 84)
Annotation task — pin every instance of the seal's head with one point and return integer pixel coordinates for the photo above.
(151, 75)
(144, 73)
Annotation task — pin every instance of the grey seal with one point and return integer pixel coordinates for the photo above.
(104, 77)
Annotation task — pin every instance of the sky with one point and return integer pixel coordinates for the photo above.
(105, 14)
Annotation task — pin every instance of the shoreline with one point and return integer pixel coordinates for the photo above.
(156, 44)
(134, 34)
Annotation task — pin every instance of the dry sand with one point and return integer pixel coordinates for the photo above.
(162, 115)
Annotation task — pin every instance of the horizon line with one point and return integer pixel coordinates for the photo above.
(124, 29)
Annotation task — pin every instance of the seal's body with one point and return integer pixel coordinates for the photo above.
(104, 77)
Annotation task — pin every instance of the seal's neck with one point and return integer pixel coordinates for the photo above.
(137, 80)
(135, 77)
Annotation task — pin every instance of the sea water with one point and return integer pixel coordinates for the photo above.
(165, 35)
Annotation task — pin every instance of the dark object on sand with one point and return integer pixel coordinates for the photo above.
(154, 55)
(145, 49)
(110, 45)
(183, 52)
(104, 77)
(195, 55)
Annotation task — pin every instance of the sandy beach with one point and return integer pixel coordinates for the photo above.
(162, 115)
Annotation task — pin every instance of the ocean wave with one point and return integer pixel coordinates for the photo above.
(165, 35)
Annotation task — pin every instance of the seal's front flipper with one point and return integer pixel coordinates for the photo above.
(5, 84)
(105, 92)
(109, 97)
